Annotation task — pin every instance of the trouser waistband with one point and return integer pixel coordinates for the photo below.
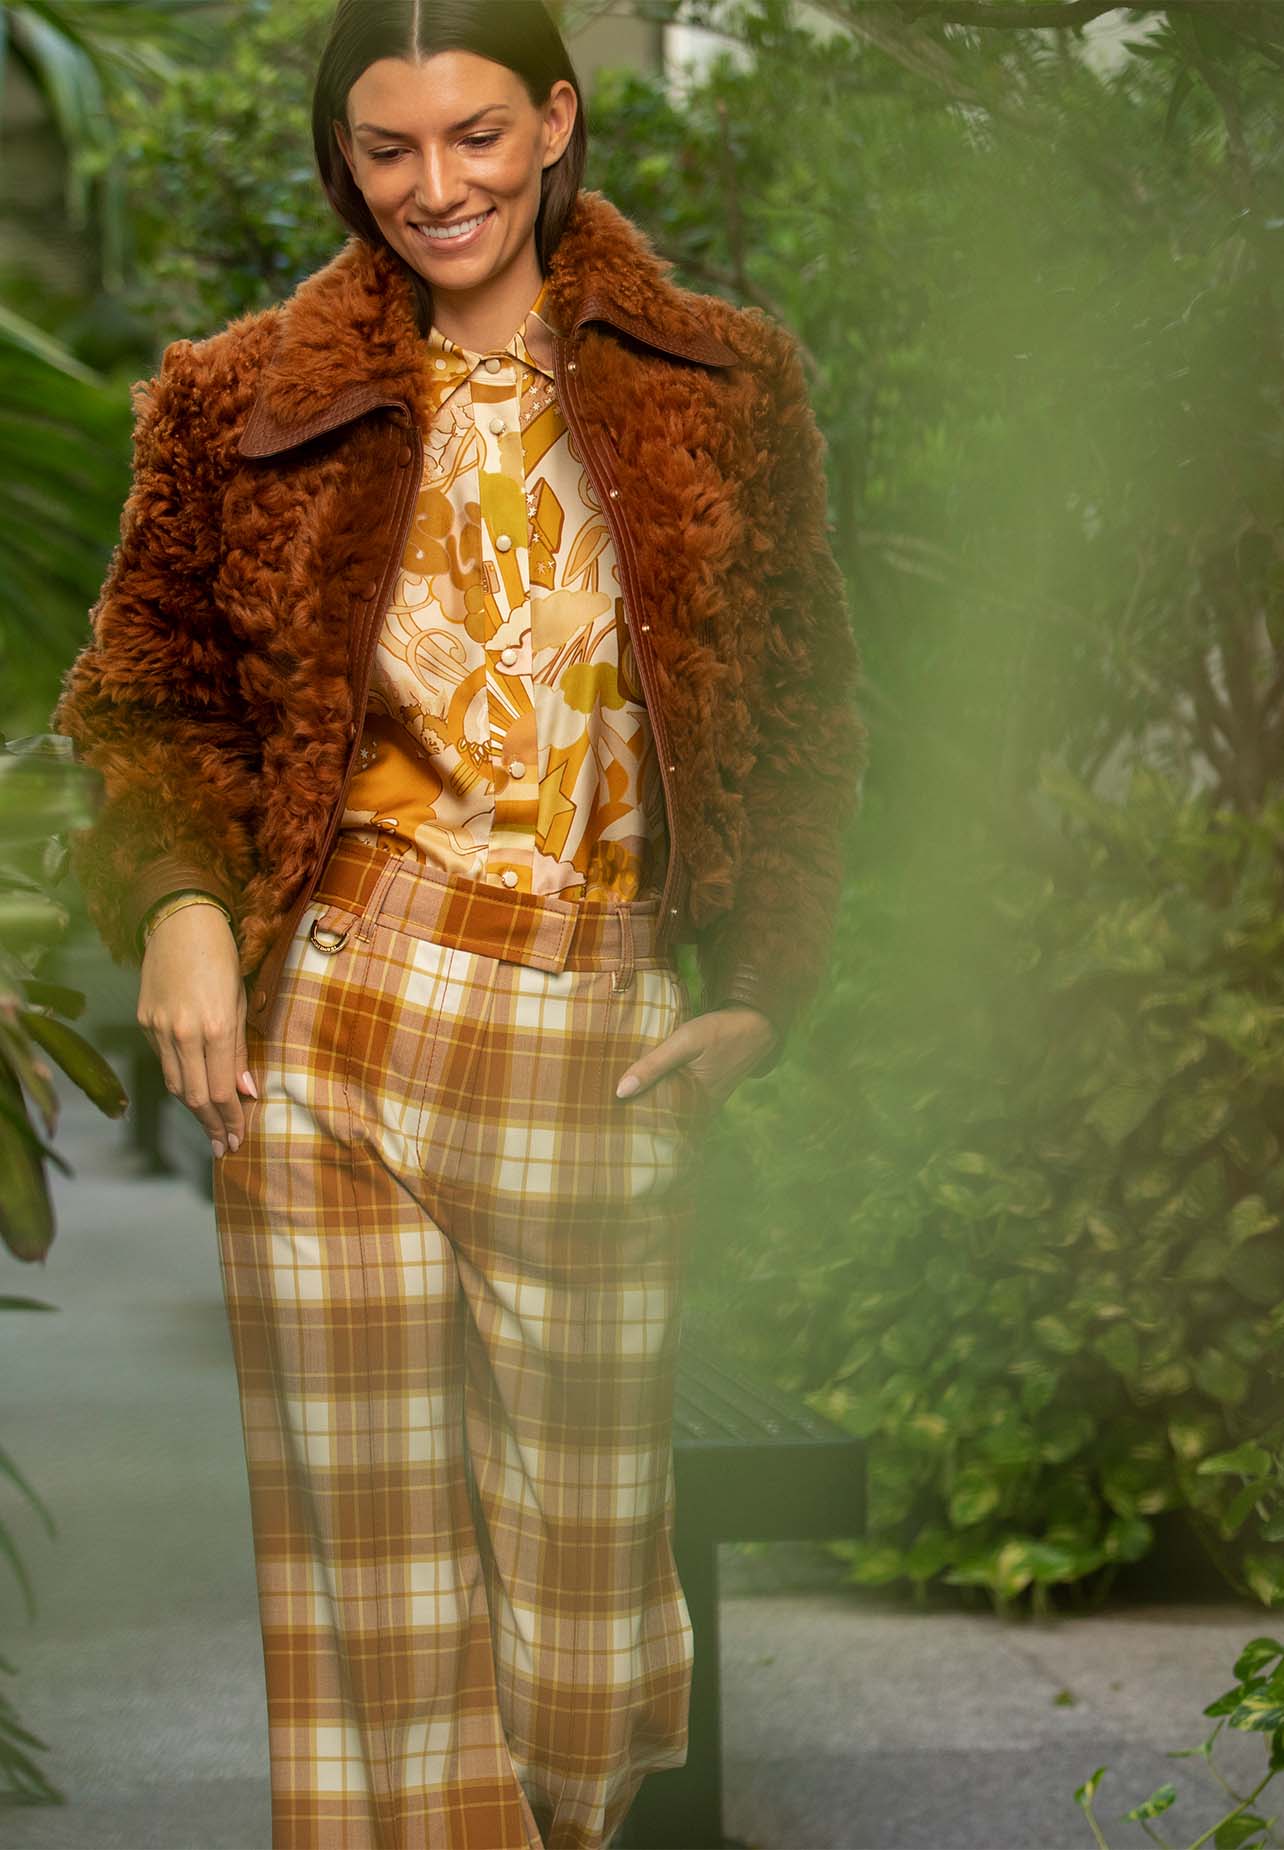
(373, 886)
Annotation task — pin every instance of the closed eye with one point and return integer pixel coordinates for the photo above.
(383, 155)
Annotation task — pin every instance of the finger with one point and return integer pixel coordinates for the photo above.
(171, 1071)
(220, 1071)
(189, 1044)
(244, 1077)
(654, 1063)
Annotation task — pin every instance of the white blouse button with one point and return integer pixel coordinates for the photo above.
(508, 656)
(497, 425)
(502, 542)
(509, 876)
(516, 768)
(440, 364)
(493, 365)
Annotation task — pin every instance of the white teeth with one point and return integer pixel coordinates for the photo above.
(454, 231)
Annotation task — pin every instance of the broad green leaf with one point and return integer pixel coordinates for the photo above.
(975, 1496)
(1248, 1461)
(81, 1062)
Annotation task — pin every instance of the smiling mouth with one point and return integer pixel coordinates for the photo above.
(461, 233)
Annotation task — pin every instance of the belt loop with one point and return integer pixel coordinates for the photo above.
(624, 970)
(378, 894)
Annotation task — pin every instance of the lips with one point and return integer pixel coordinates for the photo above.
(456, 240)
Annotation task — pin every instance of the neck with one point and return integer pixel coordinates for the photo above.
(490, 314)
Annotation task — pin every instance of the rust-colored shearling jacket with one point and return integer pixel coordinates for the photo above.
(276, 467)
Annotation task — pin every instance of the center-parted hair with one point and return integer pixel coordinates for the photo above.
(520, 34)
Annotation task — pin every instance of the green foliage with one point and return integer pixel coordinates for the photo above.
(1011, 1208)
(1016, 1217)
(227, 208)
(42, 790)
(43, 794)
(1036, 299)
(1255, 1703)
(76, 56)
(64, 470)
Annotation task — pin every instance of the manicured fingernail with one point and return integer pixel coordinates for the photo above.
(216, 1146)
(249, 1085)
(627, 1086)
(233, 1141)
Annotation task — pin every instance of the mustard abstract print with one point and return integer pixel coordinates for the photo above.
(506, 736)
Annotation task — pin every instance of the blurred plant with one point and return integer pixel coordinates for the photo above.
(42, 787)
(227, 212)
(78, 55)
(1011, 1207)
(1256, 1703)
(43, 793)
(64, 468)
(1015, 1217)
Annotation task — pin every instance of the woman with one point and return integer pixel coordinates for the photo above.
(473, 639)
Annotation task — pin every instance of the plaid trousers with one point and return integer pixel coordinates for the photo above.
(452, 1262)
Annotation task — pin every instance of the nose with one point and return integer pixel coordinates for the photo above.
(439, 192)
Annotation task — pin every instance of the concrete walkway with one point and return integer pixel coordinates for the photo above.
(849, 1722)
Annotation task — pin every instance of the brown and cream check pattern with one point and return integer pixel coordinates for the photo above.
(452, 1260)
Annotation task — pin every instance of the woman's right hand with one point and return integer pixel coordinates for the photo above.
(191, 1007)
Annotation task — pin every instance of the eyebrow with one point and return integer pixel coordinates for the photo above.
(456, 128)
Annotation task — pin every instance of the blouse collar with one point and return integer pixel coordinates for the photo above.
(531, 345)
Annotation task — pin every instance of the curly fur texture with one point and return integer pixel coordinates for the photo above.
(216, 696)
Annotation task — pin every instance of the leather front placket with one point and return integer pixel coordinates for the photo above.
(407, 470)
(601, 473)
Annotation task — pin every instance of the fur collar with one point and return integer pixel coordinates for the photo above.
(348, 339)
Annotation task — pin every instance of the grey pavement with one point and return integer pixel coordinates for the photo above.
(851, 1723)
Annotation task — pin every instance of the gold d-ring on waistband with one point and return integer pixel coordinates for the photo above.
(328, 948)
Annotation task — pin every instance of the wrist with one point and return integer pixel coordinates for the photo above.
(173, 903)
(751, 1008)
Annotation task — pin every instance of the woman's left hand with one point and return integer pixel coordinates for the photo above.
(720, 1047)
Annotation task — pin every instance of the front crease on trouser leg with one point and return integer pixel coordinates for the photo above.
(448, 1253)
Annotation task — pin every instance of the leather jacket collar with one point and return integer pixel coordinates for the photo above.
(349, 340)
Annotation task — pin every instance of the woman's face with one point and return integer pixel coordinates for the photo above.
(453, 139)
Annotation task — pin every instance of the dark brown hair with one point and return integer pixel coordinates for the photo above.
(520, 34)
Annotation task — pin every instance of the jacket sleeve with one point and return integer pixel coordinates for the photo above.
(772, 948)
(151, 701)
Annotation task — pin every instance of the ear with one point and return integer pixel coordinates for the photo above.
(559, 119)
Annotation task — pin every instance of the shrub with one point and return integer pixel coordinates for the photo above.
(1014, 1213)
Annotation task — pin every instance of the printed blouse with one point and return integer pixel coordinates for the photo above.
(506, 737)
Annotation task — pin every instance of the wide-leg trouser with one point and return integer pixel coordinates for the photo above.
(452, 1262)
